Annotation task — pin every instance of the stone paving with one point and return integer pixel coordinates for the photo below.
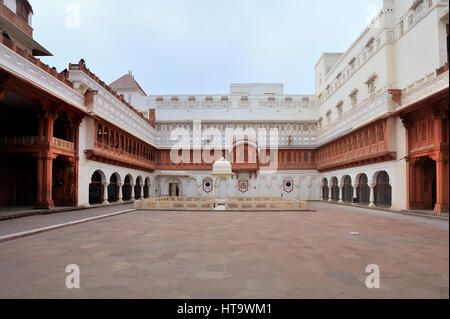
(38, 221)
(232, 255)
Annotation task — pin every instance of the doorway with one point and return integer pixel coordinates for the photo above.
(174, 190)
(428, 168)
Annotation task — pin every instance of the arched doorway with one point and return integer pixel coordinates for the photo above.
(96, 189)
(334, 189)
(429, 183)
(347, 190)
(137, 188)
(383, 191)
(126, 188)
(113, 189)
(425, 186)
(58, 189)
(174, 190)
(363, 190)
(147, 188)
(325, 189)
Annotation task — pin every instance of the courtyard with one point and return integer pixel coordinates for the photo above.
(164, 254)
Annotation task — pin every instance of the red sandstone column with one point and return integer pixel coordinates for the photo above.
(44, 181)
(441, 188)
(410, 185)
(45, 161)
(441, 158)
(48, 179)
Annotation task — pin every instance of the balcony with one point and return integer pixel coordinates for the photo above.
(116, 156)
(22, 142)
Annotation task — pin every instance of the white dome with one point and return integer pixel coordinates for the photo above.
(222, 167)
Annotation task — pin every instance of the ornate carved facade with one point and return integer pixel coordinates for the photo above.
(376, 128)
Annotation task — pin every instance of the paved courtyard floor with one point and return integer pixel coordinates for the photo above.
(146, 254)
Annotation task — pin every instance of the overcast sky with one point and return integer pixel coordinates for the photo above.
(200, 46)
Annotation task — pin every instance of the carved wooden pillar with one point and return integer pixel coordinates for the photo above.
(45, 157)
(441, 187)
(44, 180)
(73, 180)
(411, 181)
(441, 158)
(74, 126)
(409, 164)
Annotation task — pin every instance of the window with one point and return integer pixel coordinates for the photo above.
(380, 132)
(410, 20)
(371, 83)
(99, 133)
(371, 87)
(22, 10)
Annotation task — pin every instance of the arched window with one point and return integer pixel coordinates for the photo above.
(113, 189)
(363, 190)
(105, 136)
(347, 190)
(126, 188)
(99, 133)
(147, 188)
(334, 189)
(137, 188)
(383, 191)
(96, 189)
(325, 189)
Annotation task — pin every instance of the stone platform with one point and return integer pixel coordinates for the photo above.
(229, 204)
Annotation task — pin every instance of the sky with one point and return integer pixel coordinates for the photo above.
(200, 46)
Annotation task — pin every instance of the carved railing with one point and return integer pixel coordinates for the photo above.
(34, 141)
(63, 144)
(117, 154)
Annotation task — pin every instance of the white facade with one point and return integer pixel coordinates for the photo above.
(400, 50)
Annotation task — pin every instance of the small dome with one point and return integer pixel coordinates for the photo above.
(222, 167)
